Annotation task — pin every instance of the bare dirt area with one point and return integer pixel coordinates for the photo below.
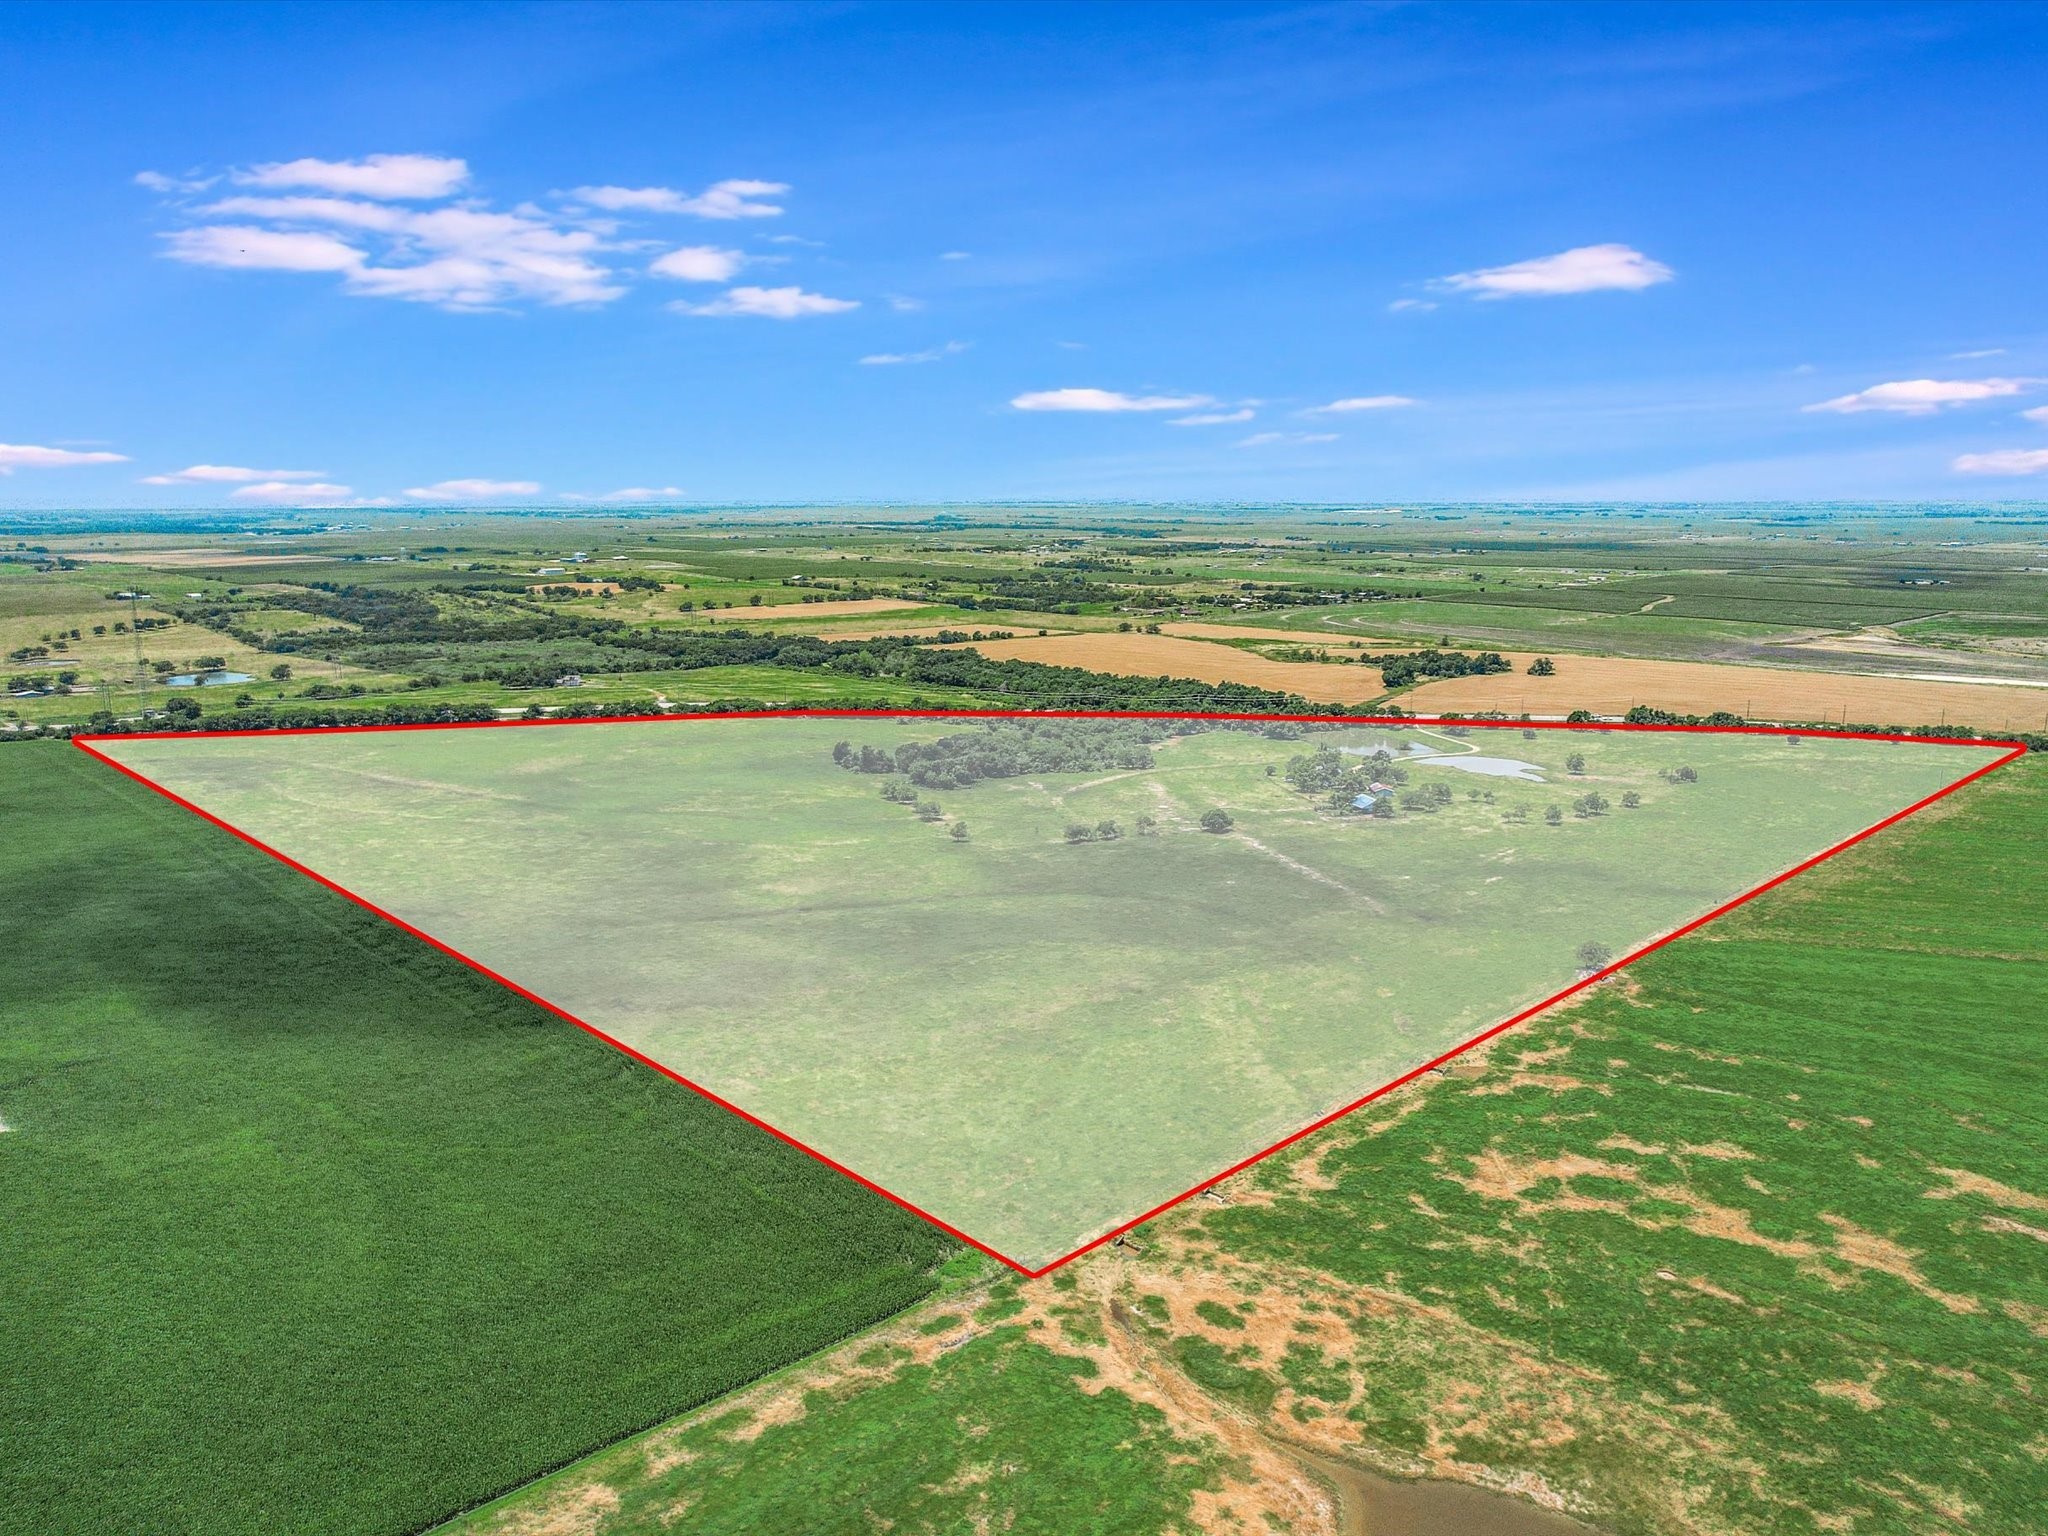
(1611, 685)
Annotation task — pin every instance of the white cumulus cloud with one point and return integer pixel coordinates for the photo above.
(228, 474)
(698, 264)
(2003, 461)
(404, 177)
(2037, 413)
(738, 198)
(473, 490)
(1352, 403)
(15, 456)
(1584, 269)
(790, 303)
(1921, 397)
(1101, 400)
(928, 355)
(1213, 418)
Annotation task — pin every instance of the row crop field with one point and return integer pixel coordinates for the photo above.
(312, 1229)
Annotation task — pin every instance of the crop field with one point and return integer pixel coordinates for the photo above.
(1753, 1238)
(1037, 977)
(1614, 685)
(310, 1229)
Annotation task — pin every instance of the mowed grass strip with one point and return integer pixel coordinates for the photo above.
(310, 1228)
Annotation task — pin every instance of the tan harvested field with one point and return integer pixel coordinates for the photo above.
(1140, 655)
(1611, 685)
(1607, 685)
(172, 559)
(1199, 630)
(837, 608)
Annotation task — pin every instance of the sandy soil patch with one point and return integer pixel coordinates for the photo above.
(1611, 685)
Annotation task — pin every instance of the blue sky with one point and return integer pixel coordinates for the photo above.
(423, 254)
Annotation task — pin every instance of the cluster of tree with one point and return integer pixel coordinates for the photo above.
(40, 682)
(896, 792)
(1591, 804)
(1642, 714)
(1430, 798)
(1104, 831)
(1007, 749)
(1327, 770)
(1542, 666)
(1399, 669)
(1685, 773)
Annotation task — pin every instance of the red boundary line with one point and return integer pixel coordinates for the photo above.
(2011, 750)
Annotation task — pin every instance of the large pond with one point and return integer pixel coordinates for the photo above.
(206, 679)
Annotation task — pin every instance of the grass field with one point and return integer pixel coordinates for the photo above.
(1753, 1239)
(1029, 1037)
(311, 1229)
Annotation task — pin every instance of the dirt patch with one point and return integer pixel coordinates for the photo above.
(1962, 1182)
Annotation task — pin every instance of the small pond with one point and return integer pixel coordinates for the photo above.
(206, 679)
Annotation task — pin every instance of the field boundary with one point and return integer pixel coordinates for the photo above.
(2008, 751)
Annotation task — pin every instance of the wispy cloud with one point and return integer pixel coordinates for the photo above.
(1921, 397)
(1981, 352)
(1101, 400)
(699, 264)
(2036, 413)
(1275, 439)
(298, 493)
(1213, 418)
(1353, 403)
(228, 474)
(1584, 269)
(2003, 461)
(404, 177)
(1403, 306)
(474, 490)
(635, 493)
(956, 255)
(790, 303)
(739, 198)
(15, 456)
(928, 355)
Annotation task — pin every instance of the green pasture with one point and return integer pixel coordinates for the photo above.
(310, 1229)
(1033, 1038)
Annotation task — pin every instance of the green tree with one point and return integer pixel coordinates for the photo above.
(1630, 800)
(1575, 763)
(1552, 816)
(1218, 820)
(959, 832)
(1594, 956)
(1542, 666)
(1077, 833)
(281, 672)
(1108, 831)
